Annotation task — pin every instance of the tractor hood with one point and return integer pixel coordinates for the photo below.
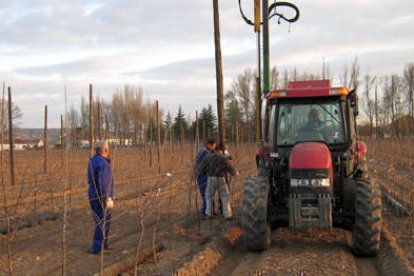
(310, 155)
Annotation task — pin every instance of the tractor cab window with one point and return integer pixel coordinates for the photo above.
(310, 121)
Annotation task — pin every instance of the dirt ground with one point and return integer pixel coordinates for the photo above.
(154, 208)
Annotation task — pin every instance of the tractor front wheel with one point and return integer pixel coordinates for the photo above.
(256, 230)
(367, 221)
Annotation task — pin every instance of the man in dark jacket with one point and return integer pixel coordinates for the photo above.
(101, 192)
(218, 166)
(201, 177)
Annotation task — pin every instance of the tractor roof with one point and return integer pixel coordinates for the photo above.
(305, 89)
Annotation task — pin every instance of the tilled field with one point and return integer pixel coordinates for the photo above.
(159, 212)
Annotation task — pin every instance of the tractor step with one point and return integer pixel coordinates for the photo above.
(310, 211)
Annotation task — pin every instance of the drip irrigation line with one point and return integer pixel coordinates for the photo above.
(273, 13)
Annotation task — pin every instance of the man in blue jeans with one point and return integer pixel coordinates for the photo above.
(100, 193)
(217, 169)
(200, 162)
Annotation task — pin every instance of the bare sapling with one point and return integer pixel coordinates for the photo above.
(141, 219)
(104, 237)
(194, 173)
(190, 195)
(411, 203)
(150, 140)
(181, 141)
(62, 148)
(237, 140)
(64, 197)
(172, 144)
(154, 234)
(35, 193)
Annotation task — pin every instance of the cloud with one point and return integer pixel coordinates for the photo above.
(167, 46)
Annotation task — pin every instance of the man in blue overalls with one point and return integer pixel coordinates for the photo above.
(201, 178)
(101, 192)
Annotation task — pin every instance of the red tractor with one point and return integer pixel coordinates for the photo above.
(313, 173)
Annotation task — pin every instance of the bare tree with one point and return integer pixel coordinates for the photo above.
(243, 89)
(16, 112)
(84, 121)
(73, 118)
(369, 106)
(409, 84)
(350, 76)
(355, 71)
(274, 78)
(393, 101)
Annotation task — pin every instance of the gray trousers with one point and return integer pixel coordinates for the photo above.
(214, 183)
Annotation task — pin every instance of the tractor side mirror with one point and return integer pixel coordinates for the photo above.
(354, 102)
(355, 107)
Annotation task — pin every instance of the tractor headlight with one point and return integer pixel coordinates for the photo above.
(320, 182)
(317, 182)
(299, 182)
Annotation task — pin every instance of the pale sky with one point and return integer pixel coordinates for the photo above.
(167, 47)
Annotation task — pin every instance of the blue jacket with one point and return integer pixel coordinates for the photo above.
(100, 179)
(200, 158)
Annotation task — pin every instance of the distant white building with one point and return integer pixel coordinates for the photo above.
(23, 144)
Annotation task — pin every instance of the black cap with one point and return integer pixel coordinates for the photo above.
(221, 146)
(211, 141)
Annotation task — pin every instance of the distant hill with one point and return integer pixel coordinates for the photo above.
(53, 134)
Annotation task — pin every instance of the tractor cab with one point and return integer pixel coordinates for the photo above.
(309, 121)
(309, 111)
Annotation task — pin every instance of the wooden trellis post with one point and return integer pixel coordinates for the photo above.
(91, 134)
(197, 134)
(158, 136)
(11, 144)
(106, 127)
(150, 144)
(99, 121)
(62, 141)
(45, 143)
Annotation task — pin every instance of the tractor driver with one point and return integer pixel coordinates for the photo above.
(313, 128)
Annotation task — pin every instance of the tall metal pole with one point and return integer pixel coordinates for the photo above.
(219, 75)
(258, 111)
(258, 79)
(266, 66)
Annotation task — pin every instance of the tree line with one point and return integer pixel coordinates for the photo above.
(387, 102)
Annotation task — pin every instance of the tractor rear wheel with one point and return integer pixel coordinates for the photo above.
(256, 230)
(367, 221)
